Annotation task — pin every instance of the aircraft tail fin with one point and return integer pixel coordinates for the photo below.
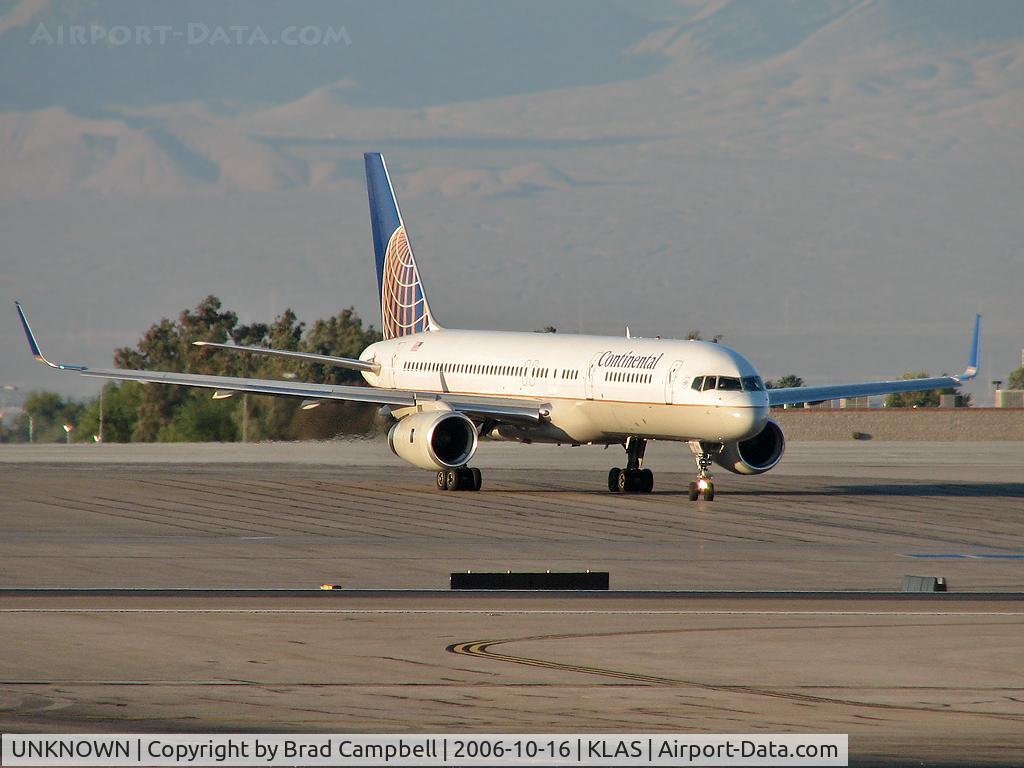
(403, 303)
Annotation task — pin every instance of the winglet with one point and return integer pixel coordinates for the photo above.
(975, 361)
(34, 346)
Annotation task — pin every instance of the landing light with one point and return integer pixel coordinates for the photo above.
(702, 484)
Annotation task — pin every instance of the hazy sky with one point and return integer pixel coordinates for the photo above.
(835, 187)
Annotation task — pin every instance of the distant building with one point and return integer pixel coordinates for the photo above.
(1010, 398)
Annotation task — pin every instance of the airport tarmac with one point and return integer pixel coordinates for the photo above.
(935, 679)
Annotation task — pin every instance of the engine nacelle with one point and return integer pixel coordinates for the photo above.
(434, 439)
(754, 455)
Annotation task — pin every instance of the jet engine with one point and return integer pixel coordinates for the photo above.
(754, 455)
(434, 439)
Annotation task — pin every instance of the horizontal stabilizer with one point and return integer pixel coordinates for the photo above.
(309, 357)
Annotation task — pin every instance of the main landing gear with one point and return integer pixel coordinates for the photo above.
(632, 479)
(703, 485)
(461, 479)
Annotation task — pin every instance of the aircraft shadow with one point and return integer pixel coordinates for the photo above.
(964, 490)
(920, 489)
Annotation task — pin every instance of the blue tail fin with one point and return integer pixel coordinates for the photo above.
(403, 304)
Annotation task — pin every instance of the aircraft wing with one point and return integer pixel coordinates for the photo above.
(792, 395)
(484, 407)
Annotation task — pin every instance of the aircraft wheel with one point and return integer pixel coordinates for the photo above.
(613, 479)
(709, 492)
(622, 484)
(646, 480)
(693, 490)
(477, 479)
(442, 480)
(451, 480)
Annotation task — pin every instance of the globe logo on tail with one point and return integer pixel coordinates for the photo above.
(403, 307)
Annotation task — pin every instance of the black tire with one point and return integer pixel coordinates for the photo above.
(622, 483)
(477, 479)
(613, 479)
(709, 493)
(451, 480)
(693, 491)
(442, 480)
(646, 480)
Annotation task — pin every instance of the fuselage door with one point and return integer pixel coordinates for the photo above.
(391, 372)
(591, 377)
(672, 381)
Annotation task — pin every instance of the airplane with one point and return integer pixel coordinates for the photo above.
(444, 389)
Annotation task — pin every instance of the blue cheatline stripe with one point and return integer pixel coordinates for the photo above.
(966, 556)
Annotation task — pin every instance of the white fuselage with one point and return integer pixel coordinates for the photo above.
(597, 389)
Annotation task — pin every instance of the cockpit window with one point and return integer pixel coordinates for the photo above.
(698, 383)
(709, 383)
(752, 384)
(729, 383)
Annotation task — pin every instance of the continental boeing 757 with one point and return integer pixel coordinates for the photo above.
(444, 389)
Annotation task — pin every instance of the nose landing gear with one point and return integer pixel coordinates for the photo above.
(634, 478)
(703, 485)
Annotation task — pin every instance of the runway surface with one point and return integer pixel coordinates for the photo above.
(934, 679)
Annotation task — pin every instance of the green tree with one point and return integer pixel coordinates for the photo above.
(785, 382)
(1016, 379)
(49, 413)
(181, 413)
(167, 346)
(121, 402)
(201, 419)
